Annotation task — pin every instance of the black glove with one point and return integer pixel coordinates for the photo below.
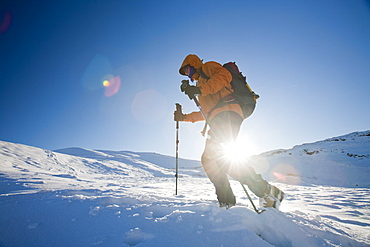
(191, 91)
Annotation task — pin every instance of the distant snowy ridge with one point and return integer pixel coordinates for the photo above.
(79, 168)
(356, 144)
(122, 156)
(338, 161)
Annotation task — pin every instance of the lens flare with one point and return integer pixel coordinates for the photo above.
(149, 106)
(5, 21)
(106, 83)
(112, 86)
(279, 176)
(286, 173)
(98, 71)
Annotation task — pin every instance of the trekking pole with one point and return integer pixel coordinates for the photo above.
(178, 109)
(185, 84)
(250, 199)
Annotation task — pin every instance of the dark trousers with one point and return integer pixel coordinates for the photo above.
(225, 127)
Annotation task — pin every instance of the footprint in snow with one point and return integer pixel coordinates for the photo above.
(136, 236)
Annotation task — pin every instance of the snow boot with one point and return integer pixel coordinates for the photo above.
(226, 205)
(272, 198)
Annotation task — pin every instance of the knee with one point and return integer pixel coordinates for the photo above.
(209, 167)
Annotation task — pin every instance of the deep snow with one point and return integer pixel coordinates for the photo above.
(80, 197)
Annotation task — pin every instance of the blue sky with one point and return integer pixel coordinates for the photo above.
(308, 60)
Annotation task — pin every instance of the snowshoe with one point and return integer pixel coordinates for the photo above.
(272, 198)
(226, 205)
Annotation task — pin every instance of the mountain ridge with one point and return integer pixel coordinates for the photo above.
(320, 162)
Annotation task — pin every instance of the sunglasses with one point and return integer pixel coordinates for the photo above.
(186, 70)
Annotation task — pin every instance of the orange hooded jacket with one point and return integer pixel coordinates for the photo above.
(213, 89)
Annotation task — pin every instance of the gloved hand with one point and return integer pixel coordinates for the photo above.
(191, 91)
(178, 116)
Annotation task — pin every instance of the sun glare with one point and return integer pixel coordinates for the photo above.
(236, 151)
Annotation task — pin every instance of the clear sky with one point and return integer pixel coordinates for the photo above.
(104, 74)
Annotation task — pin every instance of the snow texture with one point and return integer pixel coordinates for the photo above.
(80, 197)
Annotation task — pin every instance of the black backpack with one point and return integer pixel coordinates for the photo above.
(243, 94)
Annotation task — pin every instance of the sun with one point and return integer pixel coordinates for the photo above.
(237, 151)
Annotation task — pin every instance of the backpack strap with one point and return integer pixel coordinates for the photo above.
(203, 75)
(228, 99)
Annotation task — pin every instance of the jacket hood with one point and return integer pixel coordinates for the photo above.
(192, 60)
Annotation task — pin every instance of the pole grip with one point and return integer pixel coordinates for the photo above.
(178, 107)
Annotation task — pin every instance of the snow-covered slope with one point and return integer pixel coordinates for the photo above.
(131, 157)
(339, 161)
(80, 197)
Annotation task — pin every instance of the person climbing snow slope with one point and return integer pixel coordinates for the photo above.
(224, 116)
